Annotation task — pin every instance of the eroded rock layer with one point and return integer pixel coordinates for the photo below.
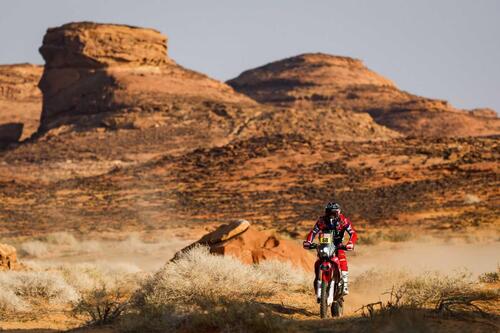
(320, 80)
(20, 98)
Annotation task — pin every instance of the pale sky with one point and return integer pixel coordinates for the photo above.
(448, 49)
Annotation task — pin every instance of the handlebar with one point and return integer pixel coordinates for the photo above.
(314, 246)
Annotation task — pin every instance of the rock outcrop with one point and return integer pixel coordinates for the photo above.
(252, 246)
(120, 77)
(309, 81)
(8, 257)
(20, 98)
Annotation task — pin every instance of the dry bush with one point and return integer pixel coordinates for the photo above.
(490, 277)
(61, 238)
(29, 286)
(444, 294)
(36, 249)
(285, 275)
(199, 276)
(10, 302)
(428, 289)
(88, 276)
(63, 284)
(398, 236)
(394, 236)
(102, 305)
(370, 238)
(201, 291)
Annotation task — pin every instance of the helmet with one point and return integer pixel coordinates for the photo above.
(332, 209)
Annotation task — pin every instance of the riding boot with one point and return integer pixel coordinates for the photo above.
(345, 279)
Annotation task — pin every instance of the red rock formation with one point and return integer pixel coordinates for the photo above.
(120, 77)
(20, 98)
(320, 80)
(240, 240)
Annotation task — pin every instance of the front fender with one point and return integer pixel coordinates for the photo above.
(326, 270)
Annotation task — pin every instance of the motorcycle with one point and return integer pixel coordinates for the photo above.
(329, 285)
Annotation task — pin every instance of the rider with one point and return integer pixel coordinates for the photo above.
(336, 221)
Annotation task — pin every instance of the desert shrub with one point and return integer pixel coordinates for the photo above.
(10, 302)
(88, 276)
(35, 249)
(38, 285)
(102, 305)
(391, 236)
(490, 277)
(197, 276)
(285, 275)
(63, 284)
(444, 294)
(398, 236)
(201, 291)
(370, 238)
(61, 238)
(429, 288)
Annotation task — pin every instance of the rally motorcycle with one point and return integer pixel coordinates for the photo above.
(329, 285)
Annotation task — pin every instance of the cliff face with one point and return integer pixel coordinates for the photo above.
(321, 80)
(20, 99)
(120, 77)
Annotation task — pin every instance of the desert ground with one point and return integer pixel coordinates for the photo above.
(114, 159)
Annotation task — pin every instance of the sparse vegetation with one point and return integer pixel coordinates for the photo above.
(390, 236)
(103, 305)
(34, 249)
(490, 277)
(61, 285)
(201, 291)
(451, 295)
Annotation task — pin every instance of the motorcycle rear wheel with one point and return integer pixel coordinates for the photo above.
(323, 309)
(338, 308)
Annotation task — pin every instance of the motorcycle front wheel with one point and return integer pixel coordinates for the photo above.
(323, 309)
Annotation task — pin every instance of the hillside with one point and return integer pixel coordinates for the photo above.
(315, 80)
(276, 181)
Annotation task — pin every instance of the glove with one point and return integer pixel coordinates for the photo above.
(306, 244)
(349, 246)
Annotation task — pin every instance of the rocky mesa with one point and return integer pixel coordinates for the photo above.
(316, 80)
(117, 76)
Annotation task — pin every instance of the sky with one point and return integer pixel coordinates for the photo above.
(446, 49)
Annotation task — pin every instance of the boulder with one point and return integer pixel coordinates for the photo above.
(252, 246)
(8, 257)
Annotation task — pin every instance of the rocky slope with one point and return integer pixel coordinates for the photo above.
(318, 80)
(278, 182)
(20, 98)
